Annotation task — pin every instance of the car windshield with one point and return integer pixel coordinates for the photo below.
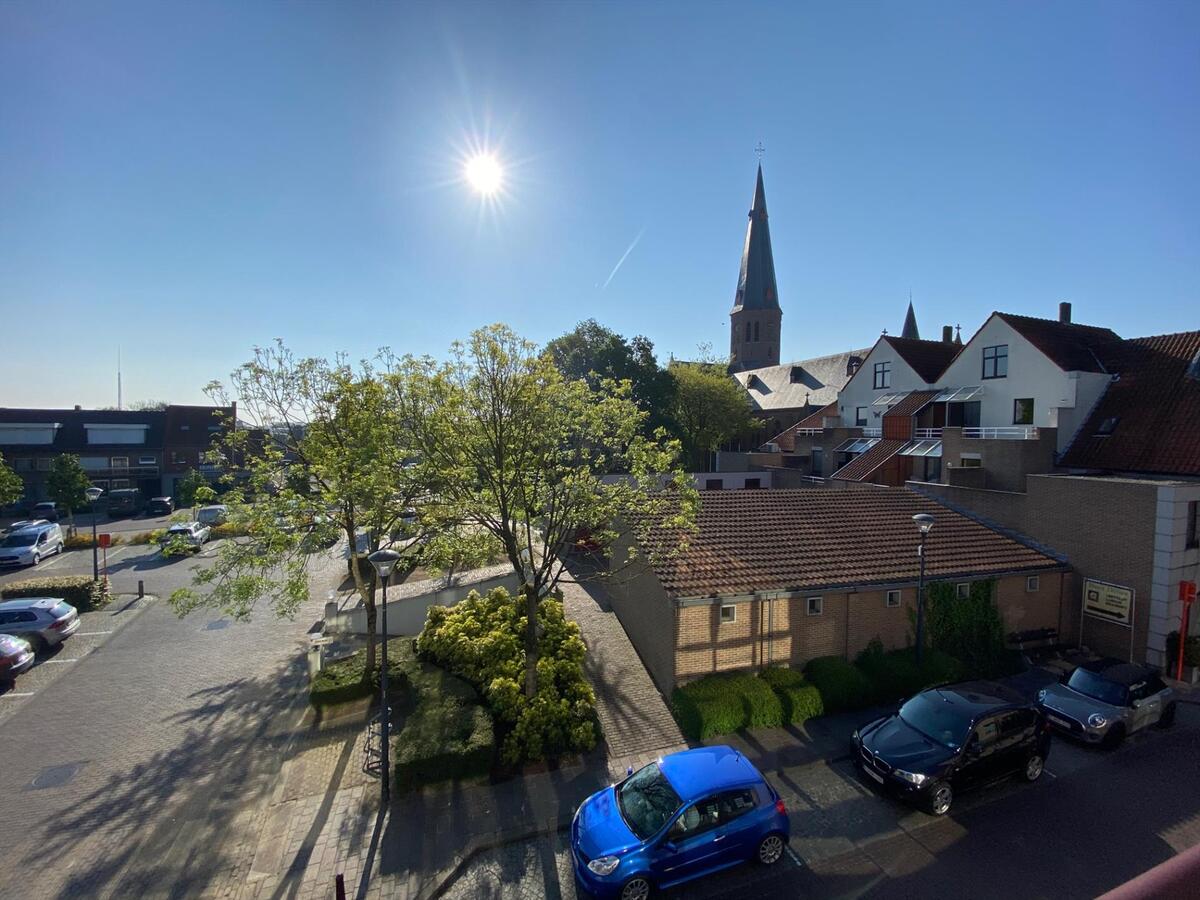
(24, 539)
(1092, 685)
(937, 719)
(647, 801)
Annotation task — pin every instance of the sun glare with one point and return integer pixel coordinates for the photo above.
(484, 174)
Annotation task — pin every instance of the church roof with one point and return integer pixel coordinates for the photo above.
(910, 325)
(807, 382)
(756, 287)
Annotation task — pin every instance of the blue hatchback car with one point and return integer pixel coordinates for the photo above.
(687, 815)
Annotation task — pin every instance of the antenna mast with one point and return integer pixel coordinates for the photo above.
(118, 376)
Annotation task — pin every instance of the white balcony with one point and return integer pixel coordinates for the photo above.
(1002, 433)
(927, 433)
(809, 431)
(872, 432)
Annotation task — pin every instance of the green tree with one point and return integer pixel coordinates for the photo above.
(708, 409)
(187, 486)
(67, 484)
(333, 466)
(12, 488)
(594, 353)
(519, 451)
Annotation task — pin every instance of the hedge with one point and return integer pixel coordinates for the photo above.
(722, 703)
(83, 541)
(78, 590)
(894, 674)
(446, 733)
(800, 700)
(1191, 649)
(842, 686)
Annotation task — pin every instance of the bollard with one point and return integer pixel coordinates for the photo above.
(141, 589)
(339, 886)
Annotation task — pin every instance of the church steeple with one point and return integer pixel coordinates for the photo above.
(910, 324)
(756, 317)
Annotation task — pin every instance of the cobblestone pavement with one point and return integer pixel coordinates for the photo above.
(633, 714)
(141, 771)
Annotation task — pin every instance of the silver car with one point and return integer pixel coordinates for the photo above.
(42, 621)
(185, 535)
(1104, 701)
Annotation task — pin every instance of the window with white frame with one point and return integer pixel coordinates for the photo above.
(962, 590)
(1032, 583)
(893, 598)
(728, 613)
(145, 460)
(815, 606)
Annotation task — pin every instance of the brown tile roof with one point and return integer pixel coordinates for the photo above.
(1072, 347)
(786, 439)
(927, 358)
(912, 404)
(781, 540)
(1156, 406)
(866, 463)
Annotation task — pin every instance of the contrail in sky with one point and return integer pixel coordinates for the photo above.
(624, 256)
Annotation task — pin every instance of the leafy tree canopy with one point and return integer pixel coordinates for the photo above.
(67, 483)
(12, 488)
(709, 408)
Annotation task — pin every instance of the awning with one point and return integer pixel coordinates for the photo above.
(958, 395)
(856, 445)
(922, 448)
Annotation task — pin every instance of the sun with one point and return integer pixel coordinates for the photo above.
(484, 174)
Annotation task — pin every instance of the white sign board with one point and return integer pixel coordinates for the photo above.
(1110, 602)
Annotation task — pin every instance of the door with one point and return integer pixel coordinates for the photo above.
(1147, 706)
(1017, 740)
(980, 758)
(691, 846)
(739, 826)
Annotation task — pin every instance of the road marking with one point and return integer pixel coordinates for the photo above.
(1046, 771)
(15, 694)
(795, 858)
(90, 633)
(48, 661)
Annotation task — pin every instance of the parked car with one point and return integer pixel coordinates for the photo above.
(42, 621)
(45, 510)
(1102, 702)
(29, 544)
(16, 656)
(160, 506)
(191, 535)
(682, 817)
(949, 739)
(212, 515)
(125, 501)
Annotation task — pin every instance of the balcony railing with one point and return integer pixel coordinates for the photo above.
(809, 431)
(872, 432)
(122, 471)
(927, 433)
(1003, 433)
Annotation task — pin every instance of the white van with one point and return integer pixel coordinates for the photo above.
(30, 544)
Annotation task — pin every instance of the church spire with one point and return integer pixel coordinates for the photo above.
(910, 323)
(756, 282)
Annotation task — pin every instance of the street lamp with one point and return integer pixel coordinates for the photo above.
(924, 523)
(384, 561)
(93, 494)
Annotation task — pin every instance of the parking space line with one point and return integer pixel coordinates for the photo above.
(796, 859)
(16, 694)
(48, 661)
(91, 633)
(1046, 771)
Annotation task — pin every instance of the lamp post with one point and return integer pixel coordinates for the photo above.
(384, 561)
(924, 523)
(93, 494)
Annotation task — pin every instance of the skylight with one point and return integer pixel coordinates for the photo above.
(922, 448)
(958, 395)
(1108, 426)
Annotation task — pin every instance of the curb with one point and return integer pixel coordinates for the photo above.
(477, 845)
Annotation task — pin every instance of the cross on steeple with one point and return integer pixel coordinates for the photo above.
(759, 150)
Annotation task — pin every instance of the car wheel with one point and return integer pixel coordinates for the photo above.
(636, 888)
(770, 849)
(36, 644)
(941, 798)
(1167, 719)
(1114, 738)
(36, 559)
(1034, 767)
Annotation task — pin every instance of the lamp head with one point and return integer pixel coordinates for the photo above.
(924, 522)
(384, 561)
(93, 493)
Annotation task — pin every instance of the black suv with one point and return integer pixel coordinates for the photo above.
(952, 738)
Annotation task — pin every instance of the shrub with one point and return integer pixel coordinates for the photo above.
(723, 703)
(970, 629)
(228, 530)
(448, 734)
(800, 700)
(1191, 649)
(481, 639)
(78, 590)
(146, 537)
(895, 674)
(841, 685)
(83, 541)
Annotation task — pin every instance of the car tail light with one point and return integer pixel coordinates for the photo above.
(61, 623)
(780, 808)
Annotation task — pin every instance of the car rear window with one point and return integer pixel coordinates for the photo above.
(61, 608)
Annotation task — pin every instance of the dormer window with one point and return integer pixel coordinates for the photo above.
(853, 364)
(1108, 426)
(797, 374)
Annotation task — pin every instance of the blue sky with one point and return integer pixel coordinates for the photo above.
(188, 180)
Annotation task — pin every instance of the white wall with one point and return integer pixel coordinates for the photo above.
(860, 389)
(1174, 562)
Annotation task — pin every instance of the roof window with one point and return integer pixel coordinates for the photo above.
(1108, 426)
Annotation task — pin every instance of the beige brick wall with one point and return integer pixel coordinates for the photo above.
(646, 613)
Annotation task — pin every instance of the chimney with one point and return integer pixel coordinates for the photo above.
(947, 334)
(78, 408)
(1064, 312)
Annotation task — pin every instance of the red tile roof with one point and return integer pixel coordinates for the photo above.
(927, 358)
(1072, 347)
(865, 463)
(781, 540)
(786, 439)
(1156, 407)
(912, 404)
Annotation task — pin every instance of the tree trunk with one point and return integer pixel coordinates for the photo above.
(531, 641)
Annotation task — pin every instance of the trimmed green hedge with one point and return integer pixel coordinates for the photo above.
(723, 703)
(894, 674)
(444, 733)
(800, 700)
(78, 590)
(346, 679)
(842, 686)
